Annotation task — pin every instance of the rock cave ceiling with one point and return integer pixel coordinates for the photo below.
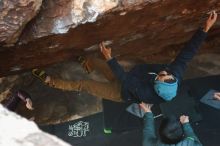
(39, 33)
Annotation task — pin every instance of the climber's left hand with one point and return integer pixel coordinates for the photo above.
(210, 21)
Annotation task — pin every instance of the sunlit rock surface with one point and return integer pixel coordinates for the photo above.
(59, 16)
(14, 15)
(18, 131)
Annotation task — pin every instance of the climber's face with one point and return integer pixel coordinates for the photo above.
(164, 76)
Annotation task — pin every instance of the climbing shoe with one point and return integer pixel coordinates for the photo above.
(40, 74)
(84, 63)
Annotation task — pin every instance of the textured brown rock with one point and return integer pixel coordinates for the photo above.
(14, 15)
(147, 30)
(59, 16)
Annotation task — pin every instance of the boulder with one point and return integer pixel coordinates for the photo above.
(140, 30)
(19, 131)
(14, 15)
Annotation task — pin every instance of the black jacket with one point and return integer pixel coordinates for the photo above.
(137, 84)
